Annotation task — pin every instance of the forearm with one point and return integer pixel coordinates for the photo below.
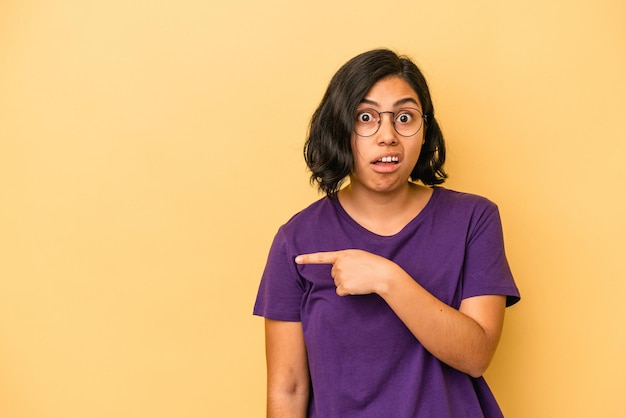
(288, 381)
(465, 339)
(452, 336)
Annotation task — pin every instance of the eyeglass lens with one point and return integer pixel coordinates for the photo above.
(406, 122)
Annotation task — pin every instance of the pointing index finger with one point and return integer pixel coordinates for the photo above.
(327, 257)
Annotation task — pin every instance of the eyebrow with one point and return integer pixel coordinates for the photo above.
(398, 103)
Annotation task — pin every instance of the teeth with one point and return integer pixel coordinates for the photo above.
(389, 159)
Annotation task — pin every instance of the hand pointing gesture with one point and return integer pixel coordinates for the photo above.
(355, 272)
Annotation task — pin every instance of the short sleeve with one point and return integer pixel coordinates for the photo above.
(486, 270)
(281, 288)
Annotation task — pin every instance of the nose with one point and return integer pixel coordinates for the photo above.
(387, 132)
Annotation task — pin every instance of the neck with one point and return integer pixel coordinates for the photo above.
(384, 213)
(375, 204)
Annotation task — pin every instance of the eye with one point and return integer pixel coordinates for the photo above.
(365, 116)
(405, 116)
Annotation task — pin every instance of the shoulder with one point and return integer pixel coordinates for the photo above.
(320, 207)
(463, 210)
(312, 228)
(461, 201)
(315, 217)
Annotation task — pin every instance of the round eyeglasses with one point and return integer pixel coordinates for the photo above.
(406, 122)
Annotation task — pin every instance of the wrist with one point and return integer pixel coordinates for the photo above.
(388, 282)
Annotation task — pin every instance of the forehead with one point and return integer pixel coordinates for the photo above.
(389, 91)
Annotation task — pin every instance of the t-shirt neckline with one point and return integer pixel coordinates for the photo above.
(423, 213)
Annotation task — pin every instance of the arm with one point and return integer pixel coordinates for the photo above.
(465, 339)
(287, 370)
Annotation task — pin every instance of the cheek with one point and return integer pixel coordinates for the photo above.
(357, 156)
(416, 149)
(422, 141)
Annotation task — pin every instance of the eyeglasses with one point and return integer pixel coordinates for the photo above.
(406, 122)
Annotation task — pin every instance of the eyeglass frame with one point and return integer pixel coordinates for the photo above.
(423, 116)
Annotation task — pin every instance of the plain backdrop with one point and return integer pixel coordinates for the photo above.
(149, 150)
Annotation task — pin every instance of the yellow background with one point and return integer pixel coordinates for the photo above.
(149, 150)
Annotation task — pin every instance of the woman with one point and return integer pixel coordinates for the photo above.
(385, 298)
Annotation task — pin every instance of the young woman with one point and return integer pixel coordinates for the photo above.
(385, 298)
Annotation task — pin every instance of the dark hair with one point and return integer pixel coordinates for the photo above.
(328, 150)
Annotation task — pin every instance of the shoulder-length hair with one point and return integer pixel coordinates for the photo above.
(328, 150)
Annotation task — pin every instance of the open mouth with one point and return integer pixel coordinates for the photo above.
(388, 160)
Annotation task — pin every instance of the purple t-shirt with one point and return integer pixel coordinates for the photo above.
(364, 362)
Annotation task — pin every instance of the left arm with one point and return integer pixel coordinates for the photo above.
(465, 339)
